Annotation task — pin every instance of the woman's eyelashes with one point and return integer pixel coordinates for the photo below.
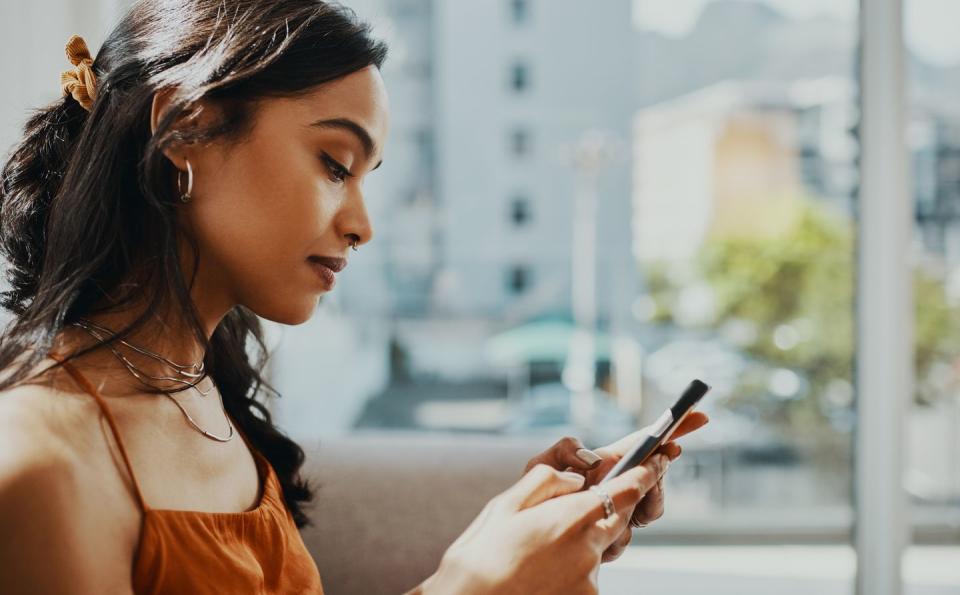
(338, 172)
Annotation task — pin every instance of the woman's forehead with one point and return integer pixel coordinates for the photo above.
(359, 96)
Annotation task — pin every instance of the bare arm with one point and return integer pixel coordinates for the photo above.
(48, 543)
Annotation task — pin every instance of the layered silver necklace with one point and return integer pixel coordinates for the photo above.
(185, 374)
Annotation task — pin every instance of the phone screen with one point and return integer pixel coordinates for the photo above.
(661, 430)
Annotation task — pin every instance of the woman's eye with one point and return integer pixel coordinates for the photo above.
(337, 171)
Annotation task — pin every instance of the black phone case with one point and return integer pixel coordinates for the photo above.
(690, 397)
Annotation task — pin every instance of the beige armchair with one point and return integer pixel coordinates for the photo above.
(389, 504)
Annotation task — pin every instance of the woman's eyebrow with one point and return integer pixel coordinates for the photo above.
(369, 147)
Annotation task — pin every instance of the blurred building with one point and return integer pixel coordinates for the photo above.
(934, 138)
(706, 161)
(473, 208)
(507, 116)
(393, 275)
(480, 192)
(700, 160)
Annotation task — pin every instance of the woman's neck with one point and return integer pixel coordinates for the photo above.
(175, 342)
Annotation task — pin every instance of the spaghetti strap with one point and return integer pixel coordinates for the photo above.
(89, 388)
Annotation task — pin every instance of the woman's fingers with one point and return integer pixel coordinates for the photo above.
(625, 490)
(617, 548)
(628, 489)
(693, 422)
(566, 452)
(671, 449)
(650, 508)
(541, 483)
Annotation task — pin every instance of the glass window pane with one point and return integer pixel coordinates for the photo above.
(745, 169)
(933, 423)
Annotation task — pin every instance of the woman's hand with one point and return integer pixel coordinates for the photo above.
(569, 454)
(543, 535)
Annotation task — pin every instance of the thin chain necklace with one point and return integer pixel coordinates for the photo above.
(180, 368)
(95, 330)
(139, 375)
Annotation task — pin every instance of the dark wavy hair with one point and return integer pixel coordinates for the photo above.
(87, 199)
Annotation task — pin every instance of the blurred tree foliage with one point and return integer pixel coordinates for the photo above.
(794, 292)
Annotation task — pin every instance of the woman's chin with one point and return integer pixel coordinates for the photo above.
(292, 314)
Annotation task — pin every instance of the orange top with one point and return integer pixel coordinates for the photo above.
(181, 551)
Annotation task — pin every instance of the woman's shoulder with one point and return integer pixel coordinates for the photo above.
(44, 425)
(37, 466)
(38, 423)
(33, 455)
(38, 510)
(45, 403)
(48, 515)
(53, 533)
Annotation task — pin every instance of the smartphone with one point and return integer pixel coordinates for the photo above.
(661, 430)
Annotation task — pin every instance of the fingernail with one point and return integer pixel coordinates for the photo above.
(572, 475)
(588, 456)
(664, 462)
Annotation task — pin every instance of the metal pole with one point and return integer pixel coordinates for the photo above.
(579, 373)
(884, 298)
(592, 152)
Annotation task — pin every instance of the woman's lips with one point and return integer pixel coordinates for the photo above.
(326, 267)
(325, 273)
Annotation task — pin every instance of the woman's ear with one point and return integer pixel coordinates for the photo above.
(192, 119)
(161, 102)
(159, 106)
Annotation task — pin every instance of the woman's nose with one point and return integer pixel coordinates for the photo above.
(354, 221)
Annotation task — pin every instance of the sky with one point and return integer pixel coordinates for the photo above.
(930, 25)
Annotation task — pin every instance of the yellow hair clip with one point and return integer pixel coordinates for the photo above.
(80, 82)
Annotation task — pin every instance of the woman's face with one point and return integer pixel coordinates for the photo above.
(290, 190)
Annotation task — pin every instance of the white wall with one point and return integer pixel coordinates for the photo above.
(32, 39)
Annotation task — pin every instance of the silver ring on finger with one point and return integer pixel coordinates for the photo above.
(608, 508)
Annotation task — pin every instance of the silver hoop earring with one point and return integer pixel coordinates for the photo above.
(185, 196)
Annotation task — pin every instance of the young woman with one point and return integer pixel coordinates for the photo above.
(205, 170)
